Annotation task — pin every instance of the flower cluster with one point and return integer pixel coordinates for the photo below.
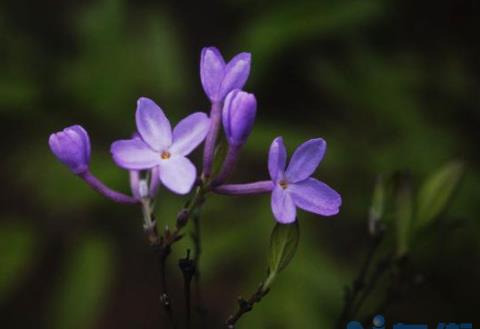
(156, 155)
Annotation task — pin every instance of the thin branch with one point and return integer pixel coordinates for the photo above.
(162, 244)
(246, 305)
(197, 247)
(161, 252)
(359, 284)
(187, 266)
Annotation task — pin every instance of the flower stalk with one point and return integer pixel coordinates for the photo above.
(246, 305)
(210, 141)
(104, 190)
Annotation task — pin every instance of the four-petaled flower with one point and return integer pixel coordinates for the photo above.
(159, 147)
(294, 187)
(219, 78)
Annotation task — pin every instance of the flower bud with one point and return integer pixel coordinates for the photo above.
(72, 147)
(239, 112)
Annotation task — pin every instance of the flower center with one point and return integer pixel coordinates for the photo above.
(165, 155)
(283, 184)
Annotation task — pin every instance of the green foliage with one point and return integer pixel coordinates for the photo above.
(80, 296)
(286, 25)
(119, 62)
(283, 245)
(403, 215)
(436, 191)
(379, 198)
(411, 210)
(18, 252)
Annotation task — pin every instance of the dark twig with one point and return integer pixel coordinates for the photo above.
(161, 251)
(197, 247)
(187, 266)
(246, 305)
(162, 244)
(397, 277)
(359, 284)
(380, 269)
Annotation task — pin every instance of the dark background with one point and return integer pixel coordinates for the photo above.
(391, 85)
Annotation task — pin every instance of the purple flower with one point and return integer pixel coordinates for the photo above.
(72, 147)
(239, 112)
(219, 78)
(159, 147)
(293, 187)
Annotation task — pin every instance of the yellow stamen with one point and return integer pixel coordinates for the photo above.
(165, 155)
(283, 184)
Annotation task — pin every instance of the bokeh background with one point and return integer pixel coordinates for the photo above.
(391, 85)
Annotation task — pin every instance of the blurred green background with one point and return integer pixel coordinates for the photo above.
(391, 85)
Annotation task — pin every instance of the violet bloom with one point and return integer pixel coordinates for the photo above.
(72, 147)
(239, 112)
(219, 78)
(158, 147)
(293, 187)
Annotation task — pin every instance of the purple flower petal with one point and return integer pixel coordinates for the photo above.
(305, 160)
(314, 196)
(283, 207)
(236, 73)
(72, 147)
(212, 68)
(134, 154)
(178, 174)
(85, 139)
(189, 133)
(152, 124)
(238, 116)
(277, 158)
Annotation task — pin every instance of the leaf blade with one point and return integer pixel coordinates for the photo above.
(436, 191)
(283, 245)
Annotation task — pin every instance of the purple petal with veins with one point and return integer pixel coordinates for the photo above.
(236, 73)
(212, 68)
(178, 174)
(315, 196)
(277, 158)
(152, 124)
(189, 133)
(283, 207)
(134, 154)
(305, 160)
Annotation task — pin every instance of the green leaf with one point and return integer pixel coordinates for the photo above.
(283, 245)
(437, 191)
(79, 298)
(403, 214)
(377, 208)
